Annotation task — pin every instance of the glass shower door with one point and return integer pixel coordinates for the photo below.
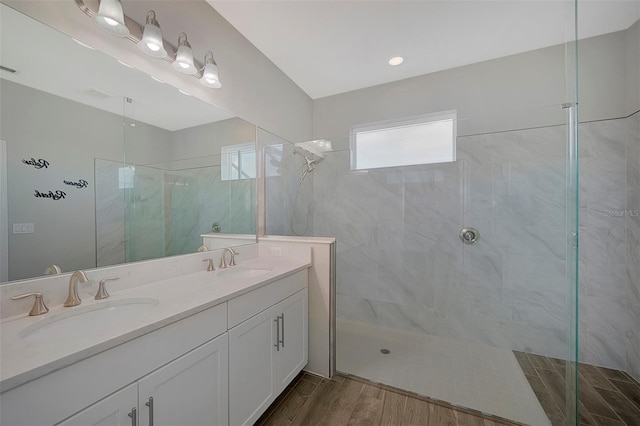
(516, 234)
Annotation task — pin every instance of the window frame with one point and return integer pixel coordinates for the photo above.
(226, 161)
(398, 123)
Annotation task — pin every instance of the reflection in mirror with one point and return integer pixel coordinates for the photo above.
(288, 174)
(82, 192)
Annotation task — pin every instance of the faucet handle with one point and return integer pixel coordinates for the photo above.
(234, 253)
(39, 307)
(210, 266)
(102, 291)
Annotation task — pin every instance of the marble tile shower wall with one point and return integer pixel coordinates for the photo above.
(633, 245)
(144, 215)
(197, 198)
(165, 212)
(110, 207)
(401, 264)
(289, 205)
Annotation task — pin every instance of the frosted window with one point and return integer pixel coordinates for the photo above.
(422, 140)
(238, 162)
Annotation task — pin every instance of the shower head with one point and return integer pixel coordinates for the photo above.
(314, 149)
(312, 162)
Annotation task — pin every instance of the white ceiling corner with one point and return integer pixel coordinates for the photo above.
(329, 47)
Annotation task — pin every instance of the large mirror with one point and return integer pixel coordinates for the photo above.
(105, 165)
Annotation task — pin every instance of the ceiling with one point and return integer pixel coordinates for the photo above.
(328, 47)
(52, 62)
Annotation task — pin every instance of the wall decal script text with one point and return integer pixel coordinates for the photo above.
(79, 184)
(38, 164)
(54, 195)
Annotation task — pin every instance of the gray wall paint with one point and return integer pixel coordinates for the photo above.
(253, 87)
(209, 139)
(69, 135)
(515, 92)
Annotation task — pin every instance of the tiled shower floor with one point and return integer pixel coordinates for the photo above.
(475, 376)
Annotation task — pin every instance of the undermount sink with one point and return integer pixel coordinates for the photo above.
(86, 320)
(244, 272)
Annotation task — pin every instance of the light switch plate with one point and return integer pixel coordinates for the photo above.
(23, 228)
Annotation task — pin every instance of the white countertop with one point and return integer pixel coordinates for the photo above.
(22, 361)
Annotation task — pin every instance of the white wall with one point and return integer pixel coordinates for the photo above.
(253, 87)
(515, 92)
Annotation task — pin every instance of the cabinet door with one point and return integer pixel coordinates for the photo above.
(113, 410)
(292, 352)
(250, 368)
(190, 391)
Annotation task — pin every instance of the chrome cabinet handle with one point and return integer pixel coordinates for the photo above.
(134, 417)
(150, 405)
(282, 330)
(277, 321)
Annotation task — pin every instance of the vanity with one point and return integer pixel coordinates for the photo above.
(212, 347)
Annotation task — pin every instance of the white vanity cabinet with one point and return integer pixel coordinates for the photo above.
(115, 410)
(267, 350)
(220, 366)
(190, 391)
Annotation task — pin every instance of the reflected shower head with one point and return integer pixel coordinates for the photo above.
(312, 162)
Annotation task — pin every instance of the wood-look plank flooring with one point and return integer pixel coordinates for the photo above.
(345, 400)
(606, 397)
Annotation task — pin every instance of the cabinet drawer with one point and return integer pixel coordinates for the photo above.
(244, 307)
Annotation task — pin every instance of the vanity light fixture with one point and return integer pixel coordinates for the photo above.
(210, 72)
(110, 18)
(152, 42)
(184, 57)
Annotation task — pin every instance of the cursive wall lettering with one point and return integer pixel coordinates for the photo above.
(38, 164)
(54, 195)
(79, 184)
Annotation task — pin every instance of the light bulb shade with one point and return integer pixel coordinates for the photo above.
(152, 43)
(184, 57)
(110, 18)
(210, 76)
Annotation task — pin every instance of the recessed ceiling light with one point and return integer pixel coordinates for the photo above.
(396, 60)
(82, 44)
(157, 79)
(184, 93)
(124, 63)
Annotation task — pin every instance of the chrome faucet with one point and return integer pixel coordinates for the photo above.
(73, 298)
(232, 262)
